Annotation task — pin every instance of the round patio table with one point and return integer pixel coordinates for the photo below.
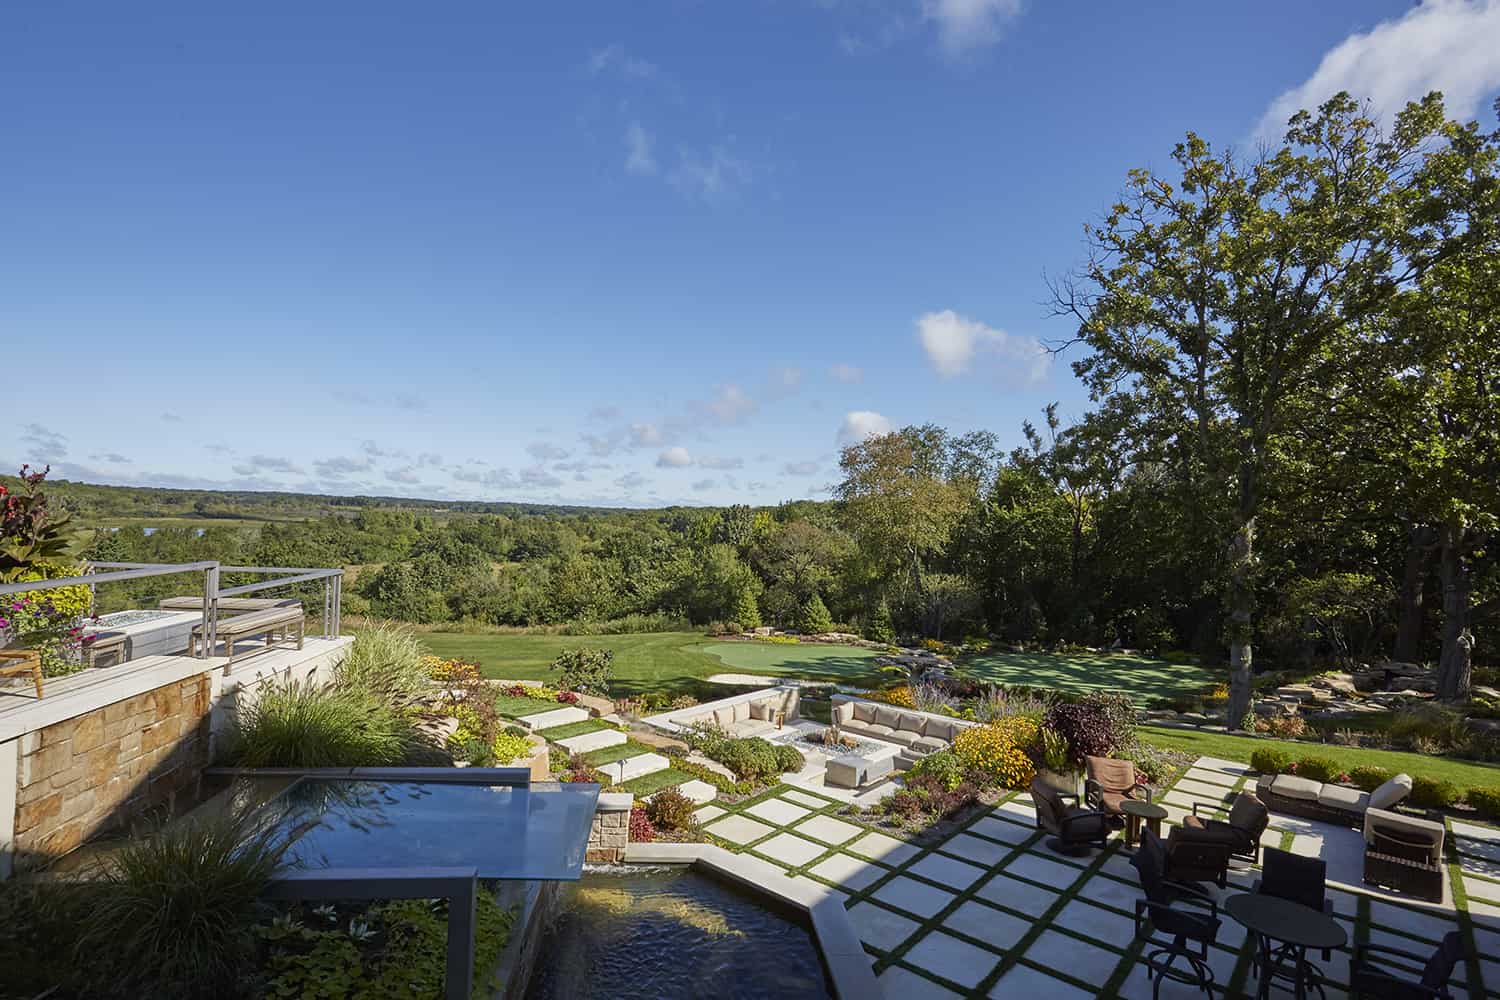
(1135, 811)
(1296, 927)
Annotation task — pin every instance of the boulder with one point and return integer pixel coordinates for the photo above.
(1299, 692)
(1342, 683)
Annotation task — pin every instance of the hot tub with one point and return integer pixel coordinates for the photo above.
(147, 633)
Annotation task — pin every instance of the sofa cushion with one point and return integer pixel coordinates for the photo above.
(864, 711)
(903, 736)
(724, 717)
(1343, 797)
(940, 729)
(1408, 828)
(928, 744)
(843, 713)
(876, 729)
(888, 715)
(760, 710)
(741, 711)
(913, 723)
(1391, 792)
(751, 727)
(1292, 787)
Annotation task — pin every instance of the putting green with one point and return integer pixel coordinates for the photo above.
(814, 661)
(1140, 677)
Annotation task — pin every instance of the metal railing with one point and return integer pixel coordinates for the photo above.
(333, 587)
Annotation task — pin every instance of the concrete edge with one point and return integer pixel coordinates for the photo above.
(617, 802)
(845, 958)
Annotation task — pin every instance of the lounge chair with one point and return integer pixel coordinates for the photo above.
(1367, 979)
(1108, 782)
(22, 663)
(1248, 819)
(1074, 829)
(1405, 853)
(1197, 855)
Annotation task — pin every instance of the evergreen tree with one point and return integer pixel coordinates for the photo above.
(815, 618)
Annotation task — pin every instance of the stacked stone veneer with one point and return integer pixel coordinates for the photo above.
(81, 775)
(610, 832)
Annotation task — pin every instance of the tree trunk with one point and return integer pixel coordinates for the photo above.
(1240, 604)
(1413, 583)
(1454, 666)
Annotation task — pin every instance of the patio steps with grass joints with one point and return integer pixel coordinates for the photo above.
(546, 717)
(583, 736)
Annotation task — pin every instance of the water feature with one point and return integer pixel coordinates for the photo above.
(672, 934)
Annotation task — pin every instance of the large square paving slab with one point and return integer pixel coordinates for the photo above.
(1023, 897)
(948, 871)
(790, 850)
(1023, 982)
(1083, 961)
(1043, 870)
(1096, 922)
(952, 958)
(1111, 892)
(739, 829)
(1431, 926)
(907, 985)
(1210, 777)
(1023, 811)
(829, 830)
(879, 927)
(976, 850)
(777, 811)
(1202, 791)
(805, 799)
(851, 873)
(1002, 830)
(879, 847)
(915, 897)
(995, 927)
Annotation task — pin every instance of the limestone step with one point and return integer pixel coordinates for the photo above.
(555, 717)
(699, 791)
(634, 767)
(596, 740)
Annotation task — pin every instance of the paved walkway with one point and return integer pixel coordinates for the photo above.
(990, 912)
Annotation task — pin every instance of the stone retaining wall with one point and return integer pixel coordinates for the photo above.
(610, 833)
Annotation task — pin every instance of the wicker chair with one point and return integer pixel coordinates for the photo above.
(1108, 782)
(1074, 829)
(1186, 917)
(1248, 819)
(1366, 979)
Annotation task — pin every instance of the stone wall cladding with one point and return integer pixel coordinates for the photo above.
(82, 775)
(608, 835)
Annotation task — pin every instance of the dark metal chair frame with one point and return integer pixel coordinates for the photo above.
(1384, 984)
(1189, 934)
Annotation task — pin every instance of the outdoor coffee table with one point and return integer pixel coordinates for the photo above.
(1296, 927)
(855, 771)
(1135, 811)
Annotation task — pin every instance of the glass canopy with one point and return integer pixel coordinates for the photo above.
(539, 831)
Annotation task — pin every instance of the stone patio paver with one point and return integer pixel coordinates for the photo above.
(1096, 922)
(1211, 777)
(997, 928)
(1203, 791)
(914, 897)
(1022, 811)
(739, 829)
(976, 850)
(777, 811)
(790, 850)
(1222, 766)
(847, 871)
(880, 847)
(805, 799)
(1111, 892)
(1020, 896)
(1022, 982)
(907, 985)
(880, 927)
(1083, 961)
(952, 958)
(948, 871)
(829, 830)
(1044, 870)
(707, 814)
(1002, 830)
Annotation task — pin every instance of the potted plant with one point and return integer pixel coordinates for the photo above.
(37, 542)
(1055, 765)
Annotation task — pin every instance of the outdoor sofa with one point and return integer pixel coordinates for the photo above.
(754, 715)
(918, 733)
(1404, 853)
(1340, 804)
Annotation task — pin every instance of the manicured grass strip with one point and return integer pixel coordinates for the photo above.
(519, 708)
(1464, 773)
(608, 755)
(650, 784)
(574, 729)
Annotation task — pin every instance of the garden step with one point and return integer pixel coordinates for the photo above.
(597, 740)
(634, 767)
(699, 791)
(555, 717)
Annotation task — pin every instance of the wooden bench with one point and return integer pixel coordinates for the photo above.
(268, 622)
(227, 603)
(28, 661)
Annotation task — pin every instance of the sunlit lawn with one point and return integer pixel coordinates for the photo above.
(1143, 678)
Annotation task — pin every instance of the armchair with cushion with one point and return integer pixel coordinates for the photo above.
(1248, 819)
(1185, 916)
(1367, 979)
(1197, 855)
(1074, 829)
(1108, 782)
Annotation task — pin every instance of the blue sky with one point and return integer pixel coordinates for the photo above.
(605, 253)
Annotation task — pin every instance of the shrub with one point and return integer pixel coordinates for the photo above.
(899, 695)
(387, 660)
(296, 725)
(669, 809)
(1428, 728)
(170, 913)
(1087, 729)
(1286, 727)
(1368, 778)
(749, 758)
(509, 746)
(1318, 769)
(1270, 760)
(995, 753)
(1486, 801)
(787, 640)
(1432, 793)
(937, 646)
(997, 703)
(1156, 766)
(789, 758)
(943, 767)
(746, 611)
(1052, 751)
(450, 671)
(588, 669)
(642, 830)
(930, 696)
(567, 697)
(880, 628)
(814, 618)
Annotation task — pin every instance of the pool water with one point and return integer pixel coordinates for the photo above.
(670, 933)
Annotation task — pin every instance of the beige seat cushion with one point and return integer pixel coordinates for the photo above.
(724, 717)
(752, 727)
(1405, 825)
(741, 711)
(1343, 797)
(843, 713)
(928, 744)
(876, 729)
(1292, 787)
(864, 711)
(903, 736)
(889, 716)
(913, 723)
(940, 729)
(1391, 792)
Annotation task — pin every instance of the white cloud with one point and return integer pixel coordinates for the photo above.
(538, 476)
(800, 468)
(848, 374)
(721, 463)
(638, 156)
(674, 458)
(406, 476)
(341, 467)
(965, 25)
(544, 451)
(861, 424)
(952, 342)
(704, 484)
(630, 481)
(1447, 45)
(711, 174)
(645, 435)
(730, 404)
(614, 58)
(51, 443)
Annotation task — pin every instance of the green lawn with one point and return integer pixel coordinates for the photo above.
(519, 708)
(1140, 677)
(1463, 773)
(608, 755)
(649, 784)
(572, 729)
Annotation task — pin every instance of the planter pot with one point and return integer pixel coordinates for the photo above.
(1063, 784)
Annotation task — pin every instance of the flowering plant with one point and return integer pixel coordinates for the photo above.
(997, 751)
(32, 532)
(567, 697)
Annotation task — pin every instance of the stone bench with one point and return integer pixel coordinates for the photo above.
(268, 622)
(853, 771)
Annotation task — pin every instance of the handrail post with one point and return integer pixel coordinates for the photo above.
(210, 609)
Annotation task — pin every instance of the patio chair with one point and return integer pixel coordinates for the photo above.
(22, 663)
(1186, 917)
(1301, 880)
(1197, 855)
(1248, 819)
(1367, 979)
(1108, 782)
(1074, 829)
